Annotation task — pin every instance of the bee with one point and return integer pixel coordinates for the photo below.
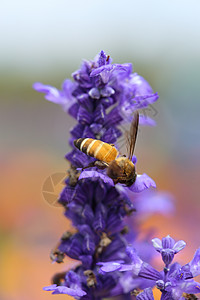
(119, 168)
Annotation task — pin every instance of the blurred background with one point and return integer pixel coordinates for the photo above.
(45, 41)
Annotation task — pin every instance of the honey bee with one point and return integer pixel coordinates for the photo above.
(119, 169)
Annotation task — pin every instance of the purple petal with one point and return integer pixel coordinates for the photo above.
(142, 87)
(157, 244)
(147, 294)
(107, 91)
(110, 266)
(50, 287)
(168, 242)
(195, 264)
(124, 70)
(101, 58)
(142, 183)
(96, 128)
(65, 290)
(167, 256)
(152, 201)
(83, 116)
(136, 262)
(179, 246)
(52, 94)
(86, 260)
(127, 268)
(95, 174)
(105, 76)
(148, 272)
(68, 87)
(191, 287)
(63, 98)
(134, 159)
(168, 296)
(94, 93)
(72, 292)
(72, 277)
(99, 70)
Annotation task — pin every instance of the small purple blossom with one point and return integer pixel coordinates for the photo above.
(168, 248)
(142, 183)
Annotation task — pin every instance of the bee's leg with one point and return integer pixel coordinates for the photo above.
(101, 164)
(115, 180)
(91, 165)
(97, 163)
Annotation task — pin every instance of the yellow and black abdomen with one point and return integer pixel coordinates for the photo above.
(96, 148)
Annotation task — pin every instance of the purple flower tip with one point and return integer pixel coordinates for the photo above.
(95, 174)
(110, 266)
(142, 183)
(168, 248)
(57, 289)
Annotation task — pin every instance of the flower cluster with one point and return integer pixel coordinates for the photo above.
(175, 281)
(101, 97)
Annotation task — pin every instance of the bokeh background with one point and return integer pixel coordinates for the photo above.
(45, 41)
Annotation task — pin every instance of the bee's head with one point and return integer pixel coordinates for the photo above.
(128, 169)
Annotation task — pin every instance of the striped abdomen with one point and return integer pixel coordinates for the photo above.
(96, 148)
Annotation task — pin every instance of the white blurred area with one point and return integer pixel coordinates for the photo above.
(36, 34)
(46, 41)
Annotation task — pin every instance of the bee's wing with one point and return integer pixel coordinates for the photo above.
(132, 135)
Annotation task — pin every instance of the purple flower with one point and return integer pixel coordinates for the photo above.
(168, 248)
(142, 182)
(71, 285)
(63, 98)
(173, 281)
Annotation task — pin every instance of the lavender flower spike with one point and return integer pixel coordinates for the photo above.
(101, 97)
